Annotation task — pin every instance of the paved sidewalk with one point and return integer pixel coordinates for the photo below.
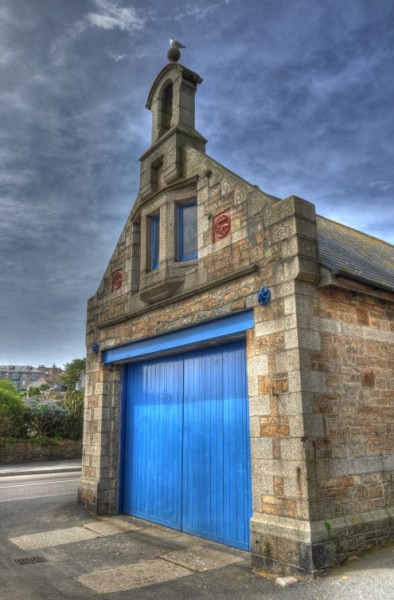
(53, 549)
(118, 558)
(41, 467)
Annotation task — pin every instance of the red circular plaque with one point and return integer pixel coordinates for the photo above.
(117, 280)
(222, 225)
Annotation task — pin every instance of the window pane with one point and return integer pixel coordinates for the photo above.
(188, 231)
(155, 239)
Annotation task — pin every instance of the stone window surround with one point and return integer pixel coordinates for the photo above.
(169, 277)
(166, 205)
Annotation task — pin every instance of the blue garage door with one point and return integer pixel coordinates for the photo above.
(187, 454)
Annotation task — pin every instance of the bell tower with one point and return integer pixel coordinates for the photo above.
(171, 101)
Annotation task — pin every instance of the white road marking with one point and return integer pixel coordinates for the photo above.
(16, 499)
(41, 483)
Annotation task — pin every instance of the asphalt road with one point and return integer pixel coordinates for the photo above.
(28, 487)
(81, 556)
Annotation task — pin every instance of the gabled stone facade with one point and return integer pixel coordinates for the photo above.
(319, 355)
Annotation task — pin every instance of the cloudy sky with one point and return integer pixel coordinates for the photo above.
(297, 98)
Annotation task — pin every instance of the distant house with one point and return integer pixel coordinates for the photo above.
(23, 376)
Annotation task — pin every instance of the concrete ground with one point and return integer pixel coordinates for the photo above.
(51, 548)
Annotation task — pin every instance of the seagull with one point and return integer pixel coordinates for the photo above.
(175, 44)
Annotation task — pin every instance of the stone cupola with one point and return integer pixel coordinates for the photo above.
(172, 103)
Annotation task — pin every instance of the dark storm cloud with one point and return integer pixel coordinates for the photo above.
(320, 119)
(297, 98)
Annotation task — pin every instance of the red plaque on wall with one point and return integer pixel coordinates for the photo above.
(117, 279)
(221, 225)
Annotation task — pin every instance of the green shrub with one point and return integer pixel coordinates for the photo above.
(37, 391)
(34, 418)
(44, 419)
(12, 409)
(73, 424)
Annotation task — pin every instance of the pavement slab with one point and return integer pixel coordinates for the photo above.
(57, 537)
(129, 577)
(201, 558)
(88, 531)
(111, 526)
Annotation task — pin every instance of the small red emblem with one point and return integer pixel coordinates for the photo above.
(117, 279)
(221, 226)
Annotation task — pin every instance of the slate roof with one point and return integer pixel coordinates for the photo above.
(355, 255)
(21, 368)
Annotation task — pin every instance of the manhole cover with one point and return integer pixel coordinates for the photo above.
(30, 560)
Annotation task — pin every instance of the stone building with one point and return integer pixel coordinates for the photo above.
(240, 380)
(24, 376)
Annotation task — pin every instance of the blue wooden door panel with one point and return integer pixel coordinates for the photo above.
(153, 444)
(216, 455)
(238, 504)
(201, 461)
(187, 453)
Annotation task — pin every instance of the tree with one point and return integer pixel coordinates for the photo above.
(73, 424)
(12, 409)
(72, 372)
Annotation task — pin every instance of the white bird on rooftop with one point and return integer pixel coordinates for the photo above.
(175, 44)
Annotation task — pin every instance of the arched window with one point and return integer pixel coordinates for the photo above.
(165, 109)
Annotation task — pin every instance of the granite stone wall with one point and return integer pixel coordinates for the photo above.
(347, 441)
(20, 452)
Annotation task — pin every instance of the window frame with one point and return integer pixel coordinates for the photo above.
(181, 206)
